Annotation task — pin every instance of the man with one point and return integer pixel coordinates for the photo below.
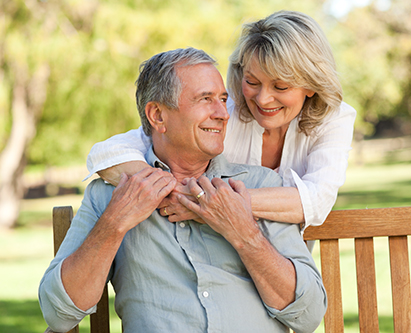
(225, 274)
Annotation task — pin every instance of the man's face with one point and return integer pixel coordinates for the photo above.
(197, 129)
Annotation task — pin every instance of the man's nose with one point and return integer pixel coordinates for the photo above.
(220, 111)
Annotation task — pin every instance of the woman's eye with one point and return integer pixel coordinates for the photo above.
(281, 88)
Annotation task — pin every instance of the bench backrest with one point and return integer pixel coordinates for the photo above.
(363, 225)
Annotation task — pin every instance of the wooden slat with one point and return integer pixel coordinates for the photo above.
(367, 291)
(330, 271)
(400, 283)
(62, 217)
(355, 223)
(99, 321)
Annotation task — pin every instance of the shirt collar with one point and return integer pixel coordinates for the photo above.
(218, 167)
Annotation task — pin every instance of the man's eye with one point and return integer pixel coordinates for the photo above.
(250, 83)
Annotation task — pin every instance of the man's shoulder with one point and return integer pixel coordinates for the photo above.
(99, 192)
(253, 176)
(259, 176)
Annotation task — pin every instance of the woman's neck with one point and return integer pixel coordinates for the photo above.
(273, 143)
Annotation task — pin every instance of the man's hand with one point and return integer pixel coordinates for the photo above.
(135, 198)
(226, 208)
(172, 208)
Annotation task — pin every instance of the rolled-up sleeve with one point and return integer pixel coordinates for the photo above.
(121, 148)
(59, 311)
(310, 304)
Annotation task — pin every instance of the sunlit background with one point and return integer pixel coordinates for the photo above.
(67, 73)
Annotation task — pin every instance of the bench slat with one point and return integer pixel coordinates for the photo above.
(400, 283)
(330, 271)
(366, 285)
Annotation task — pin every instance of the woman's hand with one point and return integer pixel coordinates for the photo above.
(226, 208)
(172, 208)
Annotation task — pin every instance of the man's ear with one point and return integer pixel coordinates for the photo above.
(155, 115)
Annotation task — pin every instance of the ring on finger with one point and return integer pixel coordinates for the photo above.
(165, 212)
(199, 195)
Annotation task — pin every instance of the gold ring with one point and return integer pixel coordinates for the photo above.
(165, 212)
(199, 195)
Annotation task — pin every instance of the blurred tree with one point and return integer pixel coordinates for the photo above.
(373, 51)
(67, 70)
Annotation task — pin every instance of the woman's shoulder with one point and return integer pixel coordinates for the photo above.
(345, 113)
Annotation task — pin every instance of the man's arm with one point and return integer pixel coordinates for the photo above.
(274, 254)
(84, 273)
(227, 210)
(73, 283)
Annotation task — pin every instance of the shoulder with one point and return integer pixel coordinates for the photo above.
(345, 111)
(256, 176)
(340, 121)
(98, 193)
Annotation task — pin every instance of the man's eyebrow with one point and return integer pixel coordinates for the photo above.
(209, 93)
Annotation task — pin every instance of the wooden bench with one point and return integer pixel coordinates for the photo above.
(362, 225)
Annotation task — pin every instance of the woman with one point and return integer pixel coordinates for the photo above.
(286, 113)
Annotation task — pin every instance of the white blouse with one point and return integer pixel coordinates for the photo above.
(314, 164)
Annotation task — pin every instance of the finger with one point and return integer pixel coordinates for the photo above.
(238, 186)
(164, 211)
(206, 185)
(167, 189)
(194, 207)
(219, 183)
(194, 187)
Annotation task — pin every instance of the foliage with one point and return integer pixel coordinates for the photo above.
(94, 48)
(373, 51)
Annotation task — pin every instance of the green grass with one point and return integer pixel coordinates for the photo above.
(376, 186)
(26, 251)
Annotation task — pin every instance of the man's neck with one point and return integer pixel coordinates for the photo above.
(182, 166)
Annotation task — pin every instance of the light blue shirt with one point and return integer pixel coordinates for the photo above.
(185, 277)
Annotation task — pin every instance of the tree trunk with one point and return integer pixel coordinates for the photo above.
(29, 95)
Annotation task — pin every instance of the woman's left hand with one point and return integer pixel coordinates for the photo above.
(172, 208)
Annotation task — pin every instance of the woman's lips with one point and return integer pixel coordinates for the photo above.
(269, 112)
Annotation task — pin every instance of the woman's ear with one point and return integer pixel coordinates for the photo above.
(310, 93)
(155, 115)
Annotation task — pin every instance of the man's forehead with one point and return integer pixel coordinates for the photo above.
(202, 79)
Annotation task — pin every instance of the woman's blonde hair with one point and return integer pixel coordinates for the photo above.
(291, 47)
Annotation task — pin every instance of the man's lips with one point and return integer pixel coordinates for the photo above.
(212, 130)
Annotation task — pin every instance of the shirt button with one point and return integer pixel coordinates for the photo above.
(205, 294)
(182, 224)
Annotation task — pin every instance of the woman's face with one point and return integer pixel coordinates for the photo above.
(272, 102)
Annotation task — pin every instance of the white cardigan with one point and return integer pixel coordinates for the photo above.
(314, 164)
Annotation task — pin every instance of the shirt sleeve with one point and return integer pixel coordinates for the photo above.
(121, 148)
(324, 167)
(308, 309)
(59, 311)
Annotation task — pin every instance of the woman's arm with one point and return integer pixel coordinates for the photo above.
(121, 153)
(112, 175)
(281, 204)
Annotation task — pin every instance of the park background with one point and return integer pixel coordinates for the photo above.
(67, 73)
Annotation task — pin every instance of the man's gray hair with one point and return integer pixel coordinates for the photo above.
(158, 80)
